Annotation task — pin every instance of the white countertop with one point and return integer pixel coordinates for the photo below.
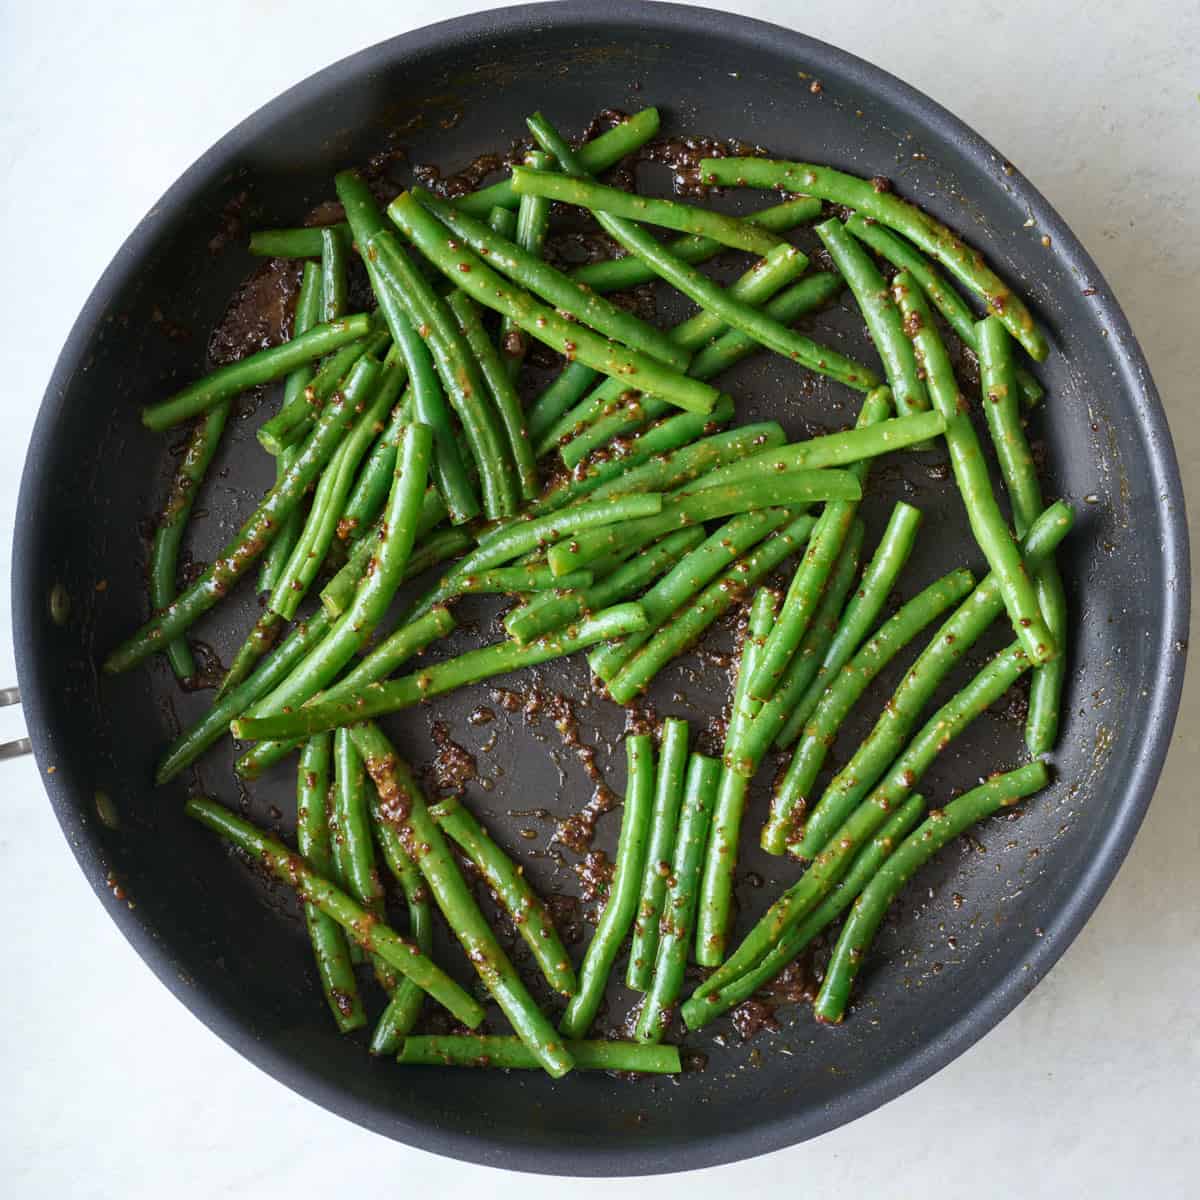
(112, 1089)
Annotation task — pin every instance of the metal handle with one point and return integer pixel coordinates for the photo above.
(20, 746)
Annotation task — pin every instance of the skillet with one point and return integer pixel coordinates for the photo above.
(976, 930)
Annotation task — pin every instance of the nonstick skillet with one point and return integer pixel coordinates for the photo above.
(976, 930)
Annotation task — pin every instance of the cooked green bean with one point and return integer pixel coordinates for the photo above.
(524, 577)
(999, 382)
(332, 955)
(510, 1054)
(970, 471)
(617, 274)
(307, 314)
(938, 241)
(679, 904)
(670, 214)
(289, 243)
(509, 885)
(840, 691)
(335, 251)
(881, 315)
(402, 806)
(622, 901)
(263, 367)
(664, 820)
(368, 931)
(720, 857)
(164, 554)
(1001, 791)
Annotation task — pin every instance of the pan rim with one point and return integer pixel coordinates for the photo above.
(1158, 712)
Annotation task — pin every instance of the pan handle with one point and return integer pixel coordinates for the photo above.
(20, 746)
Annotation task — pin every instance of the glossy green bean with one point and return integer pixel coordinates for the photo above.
(289, 243)
(621, 903)
(510, 1054)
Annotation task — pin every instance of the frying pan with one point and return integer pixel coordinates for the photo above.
(982, 924)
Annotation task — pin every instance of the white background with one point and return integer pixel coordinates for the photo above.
(111, 1089)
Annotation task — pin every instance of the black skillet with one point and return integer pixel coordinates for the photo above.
(979, 928)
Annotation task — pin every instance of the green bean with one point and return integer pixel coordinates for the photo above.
(946, 648)
(938, 241)
(353, 848)
(335, 251)
(367, 930)
(611, 408)
(623, 893)
(262, 636)
(970, 471)
(509, 1054)
(999, 383)
(289, 243)
(215, 723)
(471, 667)
(332, 955)
(510, 887)
(528, 228)
(707, 1004)
(540, 279)
(842, 449)
(428, 399)
(456, 367)
(865, 606)
(374, 481)
(679, 905)
(263, 367)
(870, 291)
(307, 314)
(473, 275)
(796, 487)
(164, 555)
(524, 577)
(552, 610)
(720, 857)
(372, 394)
(757, 722)
(689, 623)
(290, 425)
(246, 545)
(670, 214)
(602, 152)
(808, 583)
(685, 580)
(402, 806)
(504, 394)
(406, 1001)
(943, 297)
(617, 274)
(1000, 791)
(664, 820)
(840, 691)
(702, 291)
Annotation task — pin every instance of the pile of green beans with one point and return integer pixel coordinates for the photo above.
(626, 508)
